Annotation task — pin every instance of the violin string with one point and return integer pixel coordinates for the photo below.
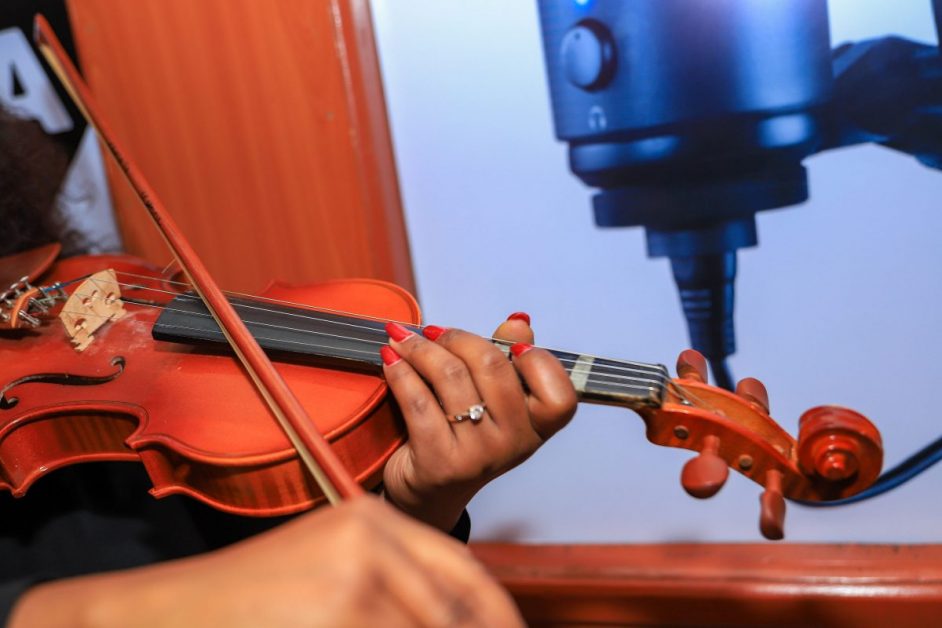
(323, 310)
(624, 365)
(591, 380)
(371, 330)
(597, 378)
(660, 371)
(687, 395)
(59, 285)
(302, 306)
(661, 374)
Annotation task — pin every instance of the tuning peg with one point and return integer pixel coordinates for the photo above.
(772, 507)
(753, 390)
(692, 365)
(706, 474)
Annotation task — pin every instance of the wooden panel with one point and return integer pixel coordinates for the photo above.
(729, 585)
(261, 125)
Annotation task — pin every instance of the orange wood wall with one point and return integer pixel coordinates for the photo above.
(261, 125)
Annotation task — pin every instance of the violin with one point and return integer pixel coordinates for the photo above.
(89, 382)
(117, 360)
(108, 358)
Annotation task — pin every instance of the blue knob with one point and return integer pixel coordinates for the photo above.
(587, 53)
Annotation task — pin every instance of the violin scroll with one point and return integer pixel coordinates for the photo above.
(839, 445)
(837, 454)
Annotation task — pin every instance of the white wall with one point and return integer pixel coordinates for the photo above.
(838, 304)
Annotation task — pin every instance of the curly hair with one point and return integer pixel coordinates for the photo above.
(32, 167)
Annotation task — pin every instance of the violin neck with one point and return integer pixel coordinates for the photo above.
(355, 342)
(614, 382)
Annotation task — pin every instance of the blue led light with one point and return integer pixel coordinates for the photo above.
(583, 3)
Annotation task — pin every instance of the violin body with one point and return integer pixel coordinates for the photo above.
(188, 413)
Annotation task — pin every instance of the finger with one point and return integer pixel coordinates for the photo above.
(552, 399)
(395, 578)
(426, 423)
(515, 329)
(385, 607)
(493, 375)
(443, 370)
(421, 594)
(481, 600)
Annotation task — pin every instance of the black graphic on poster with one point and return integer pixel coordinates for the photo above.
(29, 91)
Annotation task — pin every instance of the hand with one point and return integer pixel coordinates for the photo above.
(360, 564)
(444, 463)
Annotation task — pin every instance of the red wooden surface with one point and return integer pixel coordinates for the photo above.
(728, 585)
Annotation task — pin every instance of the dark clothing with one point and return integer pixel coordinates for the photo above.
(99, 517)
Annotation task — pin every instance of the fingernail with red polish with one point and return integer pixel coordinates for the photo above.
(519, 316)
(519, 348)
(397, 332)
(432, 332)
(389, 355)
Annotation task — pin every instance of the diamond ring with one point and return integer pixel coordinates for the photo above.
(475, 413)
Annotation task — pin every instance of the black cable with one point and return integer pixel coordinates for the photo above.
(937, 17)
(721, 374)
(706, 287)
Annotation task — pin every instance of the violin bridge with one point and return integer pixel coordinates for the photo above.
(96, 301)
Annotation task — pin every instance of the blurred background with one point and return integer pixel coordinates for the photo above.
(838, 304)
(265, 131)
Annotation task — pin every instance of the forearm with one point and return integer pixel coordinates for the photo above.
(110, 599)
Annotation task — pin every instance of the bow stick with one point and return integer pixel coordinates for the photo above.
(324, 466)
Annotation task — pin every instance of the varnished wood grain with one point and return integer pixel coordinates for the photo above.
(261, 125)
(725, 585)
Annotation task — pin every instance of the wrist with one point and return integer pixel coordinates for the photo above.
(441, 511)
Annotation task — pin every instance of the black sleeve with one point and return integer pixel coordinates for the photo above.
(462, 529)
(87, 519)
(10, 591)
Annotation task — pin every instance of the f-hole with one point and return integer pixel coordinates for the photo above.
(63, 379)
